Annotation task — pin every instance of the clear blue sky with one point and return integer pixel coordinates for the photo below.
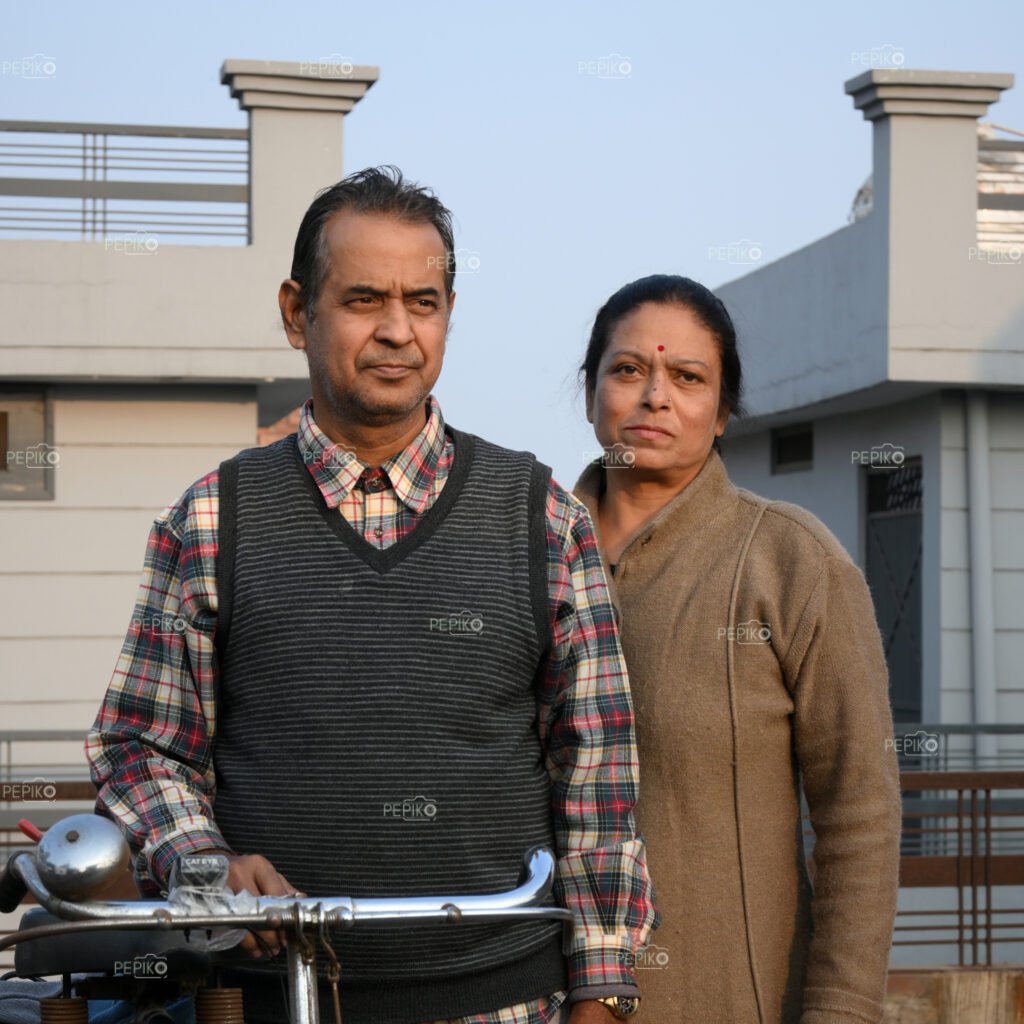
(731, 124)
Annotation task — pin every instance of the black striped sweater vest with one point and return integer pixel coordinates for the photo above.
(376, 727)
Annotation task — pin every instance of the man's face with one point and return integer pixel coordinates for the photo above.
(376, 344)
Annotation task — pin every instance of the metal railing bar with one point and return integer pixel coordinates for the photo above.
(48, 151)
(93, 189)
(1004, 728)
(74, 230)
(182, 151)
(142, 130)
(961, 924)
(128, 210)
(62, 216)
(14, 213)
(950, 913)
(226, 220)
(76, 147)
(40, 735)
(133, 167)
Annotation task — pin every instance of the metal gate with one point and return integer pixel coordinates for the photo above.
(893, 571)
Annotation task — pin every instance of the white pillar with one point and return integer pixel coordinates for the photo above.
(296, 112)
(979, 513)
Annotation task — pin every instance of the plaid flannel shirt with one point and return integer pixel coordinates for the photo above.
(152, 744)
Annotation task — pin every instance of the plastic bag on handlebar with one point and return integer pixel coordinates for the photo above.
(198, 885)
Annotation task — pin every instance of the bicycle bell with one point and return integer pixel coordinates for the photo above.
(81, 856)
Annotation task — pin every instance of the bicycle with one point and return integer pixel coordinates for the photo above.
(83, 854)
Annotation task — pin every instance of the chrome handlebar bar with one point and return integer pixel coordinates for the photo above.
(526, 901)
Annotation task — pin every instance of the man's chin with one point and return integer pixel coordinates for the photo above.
(389, 407)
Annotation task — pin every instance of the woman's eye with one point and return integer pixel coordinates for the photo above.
(627, 367)
(689, 377)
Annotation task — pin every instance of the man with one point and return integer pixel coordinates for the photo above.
(395, 667)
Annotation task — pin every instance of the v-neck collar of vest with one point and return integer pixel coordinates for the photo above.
(381, 560)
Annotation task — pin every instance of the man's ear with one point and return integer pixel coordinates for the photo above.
(293, 313)
(451, 302)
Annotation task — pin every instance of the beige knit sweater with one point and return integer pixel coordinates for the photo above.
(755, 663)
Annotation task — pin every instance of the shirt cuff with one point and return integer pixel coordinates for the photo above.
(605, 961)
(163, 854)
(584, 992)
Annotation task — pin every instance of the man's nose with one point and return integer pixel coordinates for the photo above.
(395, 324)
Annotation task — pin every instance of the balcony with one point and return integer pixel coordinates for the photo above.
(128, 186)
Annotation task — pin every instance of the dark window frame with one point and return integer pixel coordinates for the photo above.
(21, 482)
(782, 434)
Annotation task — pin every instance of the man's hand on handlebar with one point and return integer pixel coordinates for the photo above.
(255, 873)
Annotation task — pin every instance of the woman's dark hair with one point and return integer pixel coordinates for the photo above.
(373, 190)
(670, 289)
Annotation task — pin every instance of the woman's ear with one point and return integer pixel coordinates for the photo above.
(722, 420)
(590, 405)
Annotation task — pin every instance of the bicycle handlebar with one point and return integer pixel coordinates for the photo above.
(526, 901)
(97, 857)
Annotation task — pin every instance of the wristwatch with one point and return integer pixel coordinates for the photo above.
(622, 1006)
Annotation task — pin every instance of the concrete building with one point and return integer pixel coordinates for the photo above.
(884, 366)
(130, 363)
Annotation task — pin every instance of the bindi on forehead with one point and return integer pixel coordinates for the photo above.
(661, 348)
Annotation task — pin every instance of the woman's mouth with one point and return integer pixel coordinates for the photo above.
(645, 431)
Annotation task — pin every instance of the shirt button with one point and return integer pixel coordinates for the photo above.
(378, 532)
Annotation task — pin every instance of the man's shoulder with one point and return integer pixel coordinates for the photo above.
(199, 503)
(491, 449)
(266, 452)
(565, 512)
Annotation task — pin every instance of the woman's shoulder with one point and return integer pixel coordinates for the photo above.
(786, 527)
(792, 556)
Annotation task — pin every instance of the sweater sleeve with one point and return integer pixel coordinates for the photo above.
(149, 749)
(836, 670)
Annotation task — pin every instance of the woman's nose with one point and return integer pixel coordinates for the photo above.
(656, 393)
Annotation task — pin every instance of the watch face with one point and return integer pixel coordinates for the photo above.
(622, 1006)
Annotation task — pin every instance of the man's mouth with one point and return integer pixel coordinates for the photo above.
(391, 369)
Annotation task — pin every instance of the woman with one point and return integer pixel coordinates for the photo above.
(756, 665)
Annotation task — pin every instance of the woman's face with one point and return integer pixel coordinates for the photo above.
(657, 390)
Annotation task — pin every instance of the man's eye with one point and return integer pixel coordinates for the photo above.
(426, 304)
(363, 300)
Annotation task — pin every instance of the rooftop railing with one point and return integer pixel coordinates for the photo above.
(963, 837)
(137, 185)
(961, 845)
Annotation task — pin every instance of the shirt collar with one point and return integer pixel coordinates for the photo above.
(336, 469)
